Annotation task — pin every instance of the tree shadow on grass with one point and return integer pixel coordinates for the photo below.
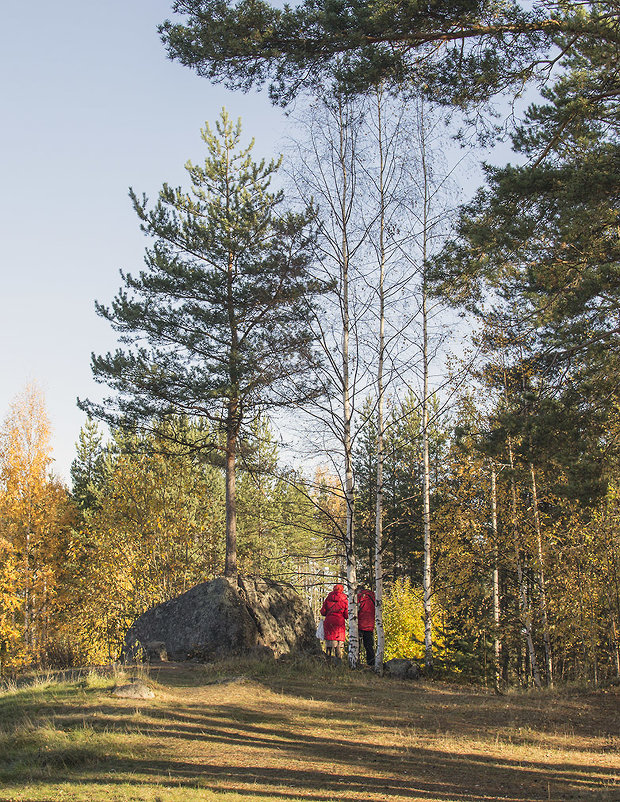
(474, 709)
(280, 746)
(424, 774)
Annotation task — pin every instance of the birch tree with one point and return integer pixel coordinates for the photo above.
(495, 581)
(328, 172)
(387, 167)
(430, 213)
(35, 518)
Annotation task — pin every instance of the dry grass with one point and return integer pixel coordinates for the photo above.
(303, 731)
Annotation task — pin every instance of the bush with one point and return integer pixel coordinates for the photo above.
(403, 621)
(62, 653)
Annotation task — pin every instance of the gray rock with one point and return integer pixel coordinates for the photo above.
(261, 653)
(135, 690)
(283, 619)
(401, 668)
(216, 619)
(156, 651)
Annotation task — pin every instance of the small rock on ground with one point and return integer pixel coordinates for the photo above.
(135, 690)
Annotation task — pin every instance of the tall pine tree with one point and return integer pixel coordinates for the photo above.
(215, 326)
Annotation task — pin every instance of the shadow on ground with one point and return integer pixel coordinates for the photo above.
(355, 738)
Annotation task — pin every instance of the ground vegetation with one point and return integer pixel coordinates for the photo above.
(265, 731)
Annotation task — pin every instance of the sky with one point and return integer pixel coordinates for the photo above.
(90, 106)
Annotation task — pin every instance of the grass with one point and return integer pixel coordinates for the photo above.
(302, 730)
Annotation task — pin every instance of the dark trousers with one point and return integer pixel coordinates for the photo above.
(368, 639)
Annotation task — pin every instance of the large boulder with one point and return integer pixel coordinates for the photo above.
(215, 619)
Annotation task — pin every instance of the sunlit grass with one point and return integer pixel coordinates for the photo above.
(299, 729)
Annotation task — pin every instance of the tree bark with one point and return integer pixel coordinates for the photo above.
(524, 604)
(349, 485)
(426, 491)
(614, 634)
(496, 602)
(232, 425)
(230, 568)
(379, 655)
(541, 581)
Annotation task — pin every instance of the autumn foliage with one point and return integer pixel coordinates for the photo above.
(37, 517)
(141, 527)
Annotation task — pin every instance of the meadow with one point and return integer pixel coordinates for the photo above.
(301, 730)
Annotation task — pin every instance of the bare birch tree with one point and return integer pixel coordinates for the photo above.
(386, 168)
(430, 212)
(367, 166)
(328, 167)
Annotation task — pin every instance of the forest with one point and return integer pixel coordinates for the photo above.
(333, 366)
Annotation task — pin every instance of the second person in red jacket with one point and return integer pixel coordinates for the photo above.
(336, 611)
(366, 621)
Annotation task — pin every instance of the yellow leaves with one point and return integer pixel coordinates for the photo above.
(403, 620)
(25, 446)
(35, 517)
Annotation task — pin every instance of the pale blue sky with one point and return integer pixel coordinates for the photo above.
(90, 106)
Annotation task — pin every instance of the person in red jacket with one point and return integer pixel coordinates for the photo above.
(336, 610)
(366, 621)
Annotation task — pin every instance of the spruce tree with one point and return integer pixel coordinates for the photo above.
(215, 326)
(87, 469)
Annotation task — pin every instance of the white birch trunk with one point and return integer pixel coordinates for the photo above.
(426, 492)
(427, 576)
(349, 484)
(379, 655)
(496, 607)
(614, 632)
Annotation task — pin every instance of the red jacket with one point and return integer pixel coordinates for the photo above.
(366, 610)
(335, 609)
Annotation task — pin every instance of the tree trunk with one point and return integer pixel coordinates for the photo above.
(541, 582)
(496, 607)
(427, 577)
(614, 633)
(28, 640)
(612, 568)
(230, 568)
(350, 539)
(426, 491)
(349, 487)
(524, 605)
(379, 512)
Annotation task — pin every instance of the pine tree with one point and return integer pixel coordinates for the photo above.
(216, 324)
(461, 51)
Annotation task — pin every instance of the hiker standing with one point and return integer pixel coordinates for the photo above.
(366, 621)
(335, 609)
